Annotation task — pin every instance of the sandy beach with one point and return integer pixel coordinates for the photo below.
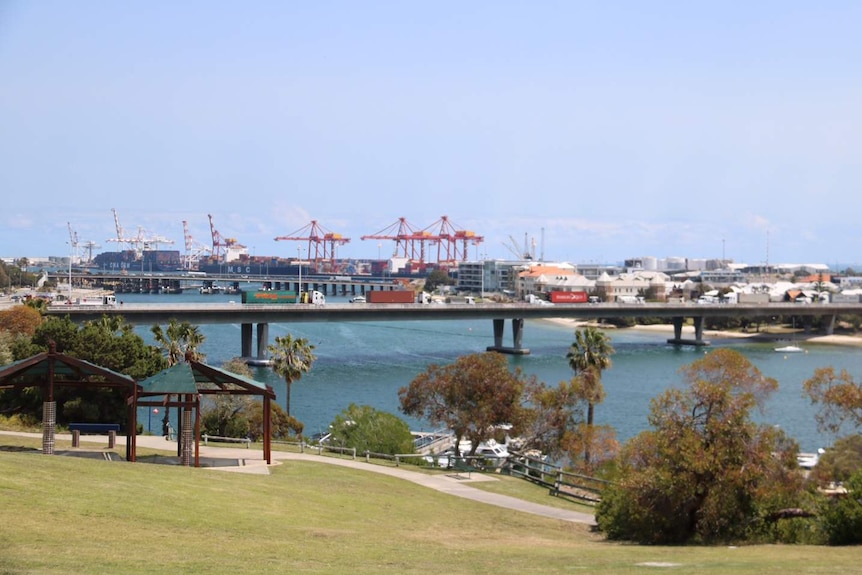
(688, 331)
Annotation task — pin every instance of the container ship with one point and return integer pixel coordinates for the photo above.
(263, 266)
(146, 261)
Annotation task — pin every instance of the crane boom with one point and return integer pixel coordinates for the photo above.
(322, 244)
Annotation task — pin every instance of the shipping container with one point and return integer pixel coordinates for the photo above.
(390, 296)
(569, 297)
(268, 296)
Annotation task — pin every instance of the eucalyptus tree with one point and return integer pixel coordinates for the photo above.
(291, 357)
(472, 397)
(839, 397)
(589, 356)
(705, 471)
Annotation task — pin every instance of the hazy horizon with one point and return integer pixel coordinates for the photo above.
(605, 131)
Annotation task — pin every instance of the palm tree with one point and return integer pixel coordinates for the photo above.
(291, 357)
(588, 356)
(180, 342)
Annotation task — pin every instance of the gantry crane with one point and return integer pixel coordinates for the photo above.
(321, 243)
(452, 242)
(121, 236)
(520, 253)
(218, 241)
(90, 246)
(194, 250)
(410, 243)
(140, 242)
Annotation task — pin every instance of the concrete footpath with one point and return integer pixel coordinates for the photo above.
(242, 460)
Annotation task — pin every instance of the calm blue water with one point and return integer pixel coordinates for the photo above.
(367, 363)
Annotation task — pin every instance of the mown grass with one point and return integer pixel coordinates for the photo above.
(71, 515)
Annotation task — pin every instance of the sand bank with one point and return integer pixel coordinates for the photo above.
(688, 331)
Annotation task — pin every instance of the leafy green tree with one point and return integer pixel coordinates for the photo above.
(367, 429)
(226, 416)
(471, 397)
(437, 278)
(284, 426)
(5, 347)
(112, 344)
(5, 280)
(588, 356)
(37, 303)
(705, 472)
(291, 358)
(839, 397)
(840, 461)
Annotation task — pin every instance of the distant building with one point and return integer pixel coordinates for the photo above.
(543, 278)
(648, 285)
(494, 276)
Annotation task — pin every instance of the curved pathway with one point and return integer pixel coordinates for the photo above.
(236, 459)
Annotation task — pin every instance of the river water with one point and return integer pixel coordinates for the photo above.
(368, 362)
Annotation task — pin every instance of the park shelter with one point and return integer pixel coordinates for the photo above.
(50, 369)
(183, 385)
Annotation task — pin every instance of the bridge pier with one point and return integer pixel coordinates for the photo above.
(260, 357)
(698, 332)
(517, 337)
(829, 324)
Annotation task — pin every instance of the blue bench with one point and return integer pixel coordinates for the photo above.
(100, 428)
(111, 429)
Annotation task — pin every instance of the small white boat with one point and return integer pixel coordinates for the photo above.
(789, 349)
(358, 299)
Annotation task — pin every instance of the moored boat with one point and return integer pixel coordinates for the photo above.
(789, 349)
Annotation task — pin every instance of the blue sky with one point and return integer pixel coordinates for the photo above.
(604, 130)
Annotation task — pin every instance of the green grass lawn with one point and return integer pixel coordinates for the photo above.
(74, 515)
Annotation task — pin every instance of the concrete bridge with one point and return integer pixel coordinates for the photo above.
(256, 318)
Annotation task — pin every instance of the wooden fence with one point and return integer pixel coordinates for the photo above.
(560, 483)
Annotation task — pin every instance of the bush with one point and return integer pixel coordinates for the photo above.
(841, 516)
(20, 422)
(840, 461)
(368, 429)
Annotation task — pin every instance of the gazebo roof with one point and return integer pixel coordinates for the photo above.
(59, 369)
(196, 377)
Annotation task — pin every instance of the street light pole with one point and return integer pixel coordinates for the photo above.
(299, 263)
(70, 271)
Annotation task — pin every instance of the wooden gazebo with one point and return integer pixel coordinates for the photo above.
(50, 369)
(183, 385)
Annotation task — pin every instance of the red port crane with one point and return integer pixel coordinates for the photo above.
(409, 242)
(321, 244)
(218, 241)
(452, 242)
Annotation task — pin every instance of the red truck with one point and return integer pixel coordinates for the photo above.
(390, 296)
(569, 297)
